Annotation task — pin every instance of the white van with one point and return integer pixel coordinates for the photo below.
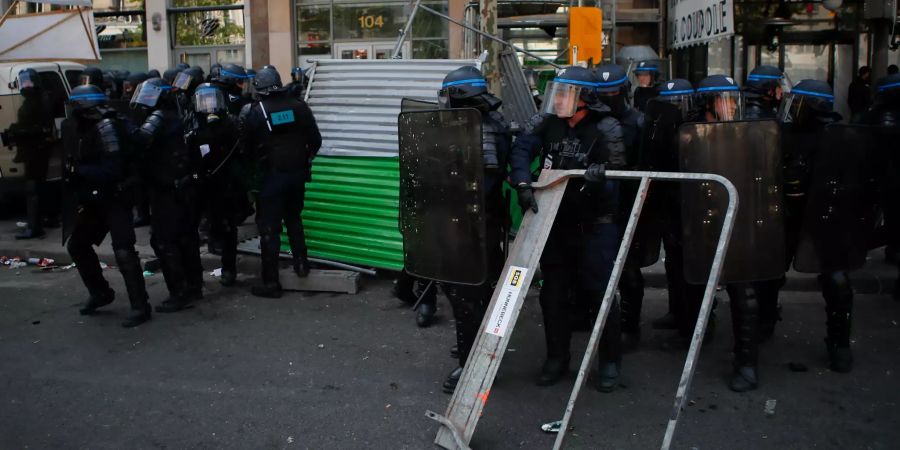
(58, 79)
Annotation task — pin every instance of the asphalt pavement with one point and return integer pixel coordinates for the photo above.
(327, 371)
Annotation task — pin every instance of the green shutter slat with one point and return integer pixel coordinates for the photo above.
(351, 211)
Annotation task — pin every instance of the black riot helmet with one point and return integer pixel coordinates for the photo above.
(297, 75)
(91, 75)
(214, 72)
(153, 73)
(170, 75)
(466, 87)
(647, 68)
(29, 81)
(677, 92)
(209, 100)
(269, 66)
(888, 90)
(151, 93)
(612, 87)
(182, 66)
(767, 81)
(267, 80)
(85, 99)
(562, 94)
(188, 79)
(720, 99)
(807, 99)
(131, 83)
(232, 75)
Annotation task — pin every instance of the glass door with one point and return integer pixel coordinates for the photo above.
(368, 50)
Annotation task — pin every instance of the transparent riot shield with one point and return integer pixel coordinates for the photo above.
(414, 104)
(442, 217)
(842, 200)
(749, 155)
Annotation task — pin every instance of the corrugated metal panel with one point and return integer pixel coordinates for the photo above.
(356, 102)
(518, 103)
(351, 211)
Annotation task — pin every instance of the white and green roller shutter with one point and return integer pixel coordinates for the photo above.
(351, 212)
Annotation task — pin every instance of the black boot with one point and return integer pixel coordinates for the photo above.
(743, 379)
(137, 317)
(553, 370)
(745, 322)
(267, 290)
(301, 266)
(452, 380)
(839, 311)
(228, 278)
(425, 314)
(403, 289)
(97, 301)
(174, 304)
(608, 376)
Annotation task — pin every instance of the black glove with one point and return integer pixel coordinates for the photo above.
(526, 198)
(595, 173)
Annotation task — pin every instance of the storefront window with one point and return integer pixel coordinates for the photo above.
(372, 21)
(314, 23)
(324, 26)
(430, 49)
(222, 27)
(120, 24)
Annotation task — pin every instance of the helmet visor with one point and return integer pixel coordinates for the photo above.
(182, 81)
(444, 98)
(683, 103)
(723, 106)
(793, 107)
(147, 95)
(561, 99)
(27, 80)
(209, 100)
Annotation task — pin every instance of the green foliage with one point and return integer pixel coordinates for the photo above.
(188, 26)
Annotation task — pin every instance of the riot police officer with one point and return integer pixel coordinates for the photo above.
(91, 75)
(613, 94)
(665, 113)
(885, 114)
(466, 88)
(297, 86)
(806, 113)
(720, 100)
(173, 178)
(281, 134)
(647, 77)
(214, 135)
(763, 92)
(99, 201)
(575, 131)
(32, 134)
(232, 78)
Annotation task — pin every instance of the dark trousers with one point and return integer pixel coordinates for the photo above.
(176, 240)
(227, 208)
(91, 226)
(578, 256)
(280, 200)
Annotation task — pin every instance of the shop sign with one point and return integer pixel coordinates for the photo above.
(693, 22)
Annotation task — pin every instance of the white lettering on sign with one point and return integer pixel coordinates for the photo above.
(694, 22)
(506, 302)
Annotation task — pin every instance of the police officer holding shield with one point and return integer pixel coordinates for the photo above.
(99, 202)
(466, 88)
(280, 133)
(807, 113)
(885, 114)
(575, 131)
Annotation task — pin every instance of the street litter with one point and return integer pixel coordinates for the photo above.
(770, 406)
(553, 427)
(148, 274)
(216, 273)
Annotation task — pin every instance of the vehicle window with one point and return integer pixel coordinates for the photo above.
(52, 83)
(73, 76)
